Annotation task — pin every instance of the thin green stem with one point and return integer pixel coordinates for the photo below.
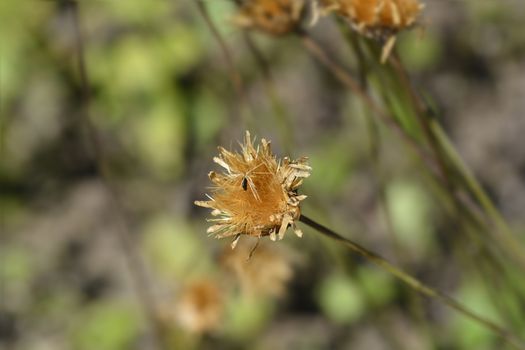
(416, 284)
(445, 152)
(280, 115)
(346, 79)
(429, 158)
(513, 245)
(423, 120)
(235, 76)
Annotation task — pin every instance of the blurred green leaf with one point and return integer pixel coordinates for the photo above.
(17, 265)
(471, 334)
(419, 52)
(410, 212)
(105, 326)
(210, 116)
(160, 138)
(331, 169)
(174, 248)
(247, 316)
(377, 285)
(180, 48)
(341, 299)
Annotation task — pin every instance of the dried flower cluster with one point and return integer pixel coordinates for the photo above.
(256, 195)
(375, 18)
(378, 19)
(275, 17)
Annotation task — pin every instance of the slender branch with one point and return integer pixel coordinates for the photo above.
(435, 165)
(345, 78)
(235, 76)
(132, 257)
(416, 284)
(511, 243)
(439, 148)
(279, 111)
(422, 119)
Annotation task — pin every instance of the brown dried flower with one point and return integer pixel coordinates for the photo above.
(380, 19)
(256, 195)
(266, 273)
(200, 306)
(376, 17)
(275, 17)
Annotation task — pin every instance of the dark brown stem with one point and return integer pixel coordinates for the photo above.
(134, 264)
(416, 284)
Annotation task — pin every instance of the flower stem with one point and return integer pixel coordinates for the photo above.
(416, 284)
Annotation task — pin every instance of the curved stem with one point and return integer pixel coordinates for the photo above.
(416, 284)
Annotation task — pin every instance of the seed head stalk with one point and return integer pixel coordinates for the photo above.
(414, 283)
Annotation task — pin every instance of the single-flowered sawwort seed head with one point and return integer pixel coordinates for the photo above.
(256, 194)
(375, 16)
(276, 17)
(378, 19)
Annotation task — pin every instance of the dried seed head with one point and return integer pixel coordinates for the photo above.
(266, 273)
(378, 19)
(376, 16)
(255, 195)
(275, 17)
(199, 308)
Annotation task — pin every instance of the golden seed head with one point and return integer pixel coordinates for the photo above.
(275, 17)
(377, 17)
(255, 195)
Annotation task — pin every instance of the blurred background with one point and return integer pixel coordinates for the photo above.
(111, 112)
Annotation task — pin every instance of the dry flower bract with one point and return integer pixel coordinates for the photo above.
(275, 17)
(255, 195)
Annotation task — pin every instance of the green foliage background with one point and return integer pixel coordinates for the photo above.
(161, 100)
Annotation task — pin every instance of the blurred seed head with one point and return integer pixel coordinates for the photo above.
(266, 272)
(256, 194)
(376, 18)
(276, 17)
(200, 307)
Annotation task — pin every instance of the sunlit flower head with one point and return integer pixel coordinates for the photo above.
(256, 194)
